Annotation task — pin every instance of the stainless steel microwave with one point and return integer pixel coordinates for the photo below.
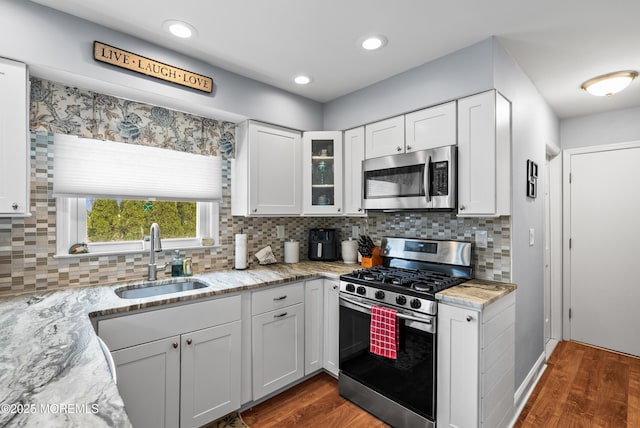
(424, 179)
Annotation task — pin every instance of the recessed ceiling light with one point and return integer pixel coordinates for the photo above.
(373, 43)
(609, 84)
(302, 80)
(179, 29)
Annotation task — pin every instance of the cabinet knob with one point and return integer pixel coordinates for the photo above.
(255, 210)
(399, 148)
(359, 209)
(469, 318)
(175, 345)
(335, 287)
(189, 341)
(408, 147)
(14, 205)
(461, 207)
(338, 209)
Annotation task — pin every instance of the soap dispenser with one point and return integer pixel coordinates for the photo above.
(177, 264)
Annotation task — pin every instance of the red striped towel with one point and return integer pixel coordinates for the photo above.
(384, 332)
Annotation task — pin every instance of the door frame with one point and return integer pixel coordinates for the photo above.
(566, 222)
(554, 228)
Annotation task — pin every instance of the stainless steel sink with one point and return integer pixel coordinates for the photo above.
(153, 289)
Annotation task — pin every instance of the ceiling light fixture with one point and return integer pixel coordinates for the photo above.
(179, 29)
(373, 43)
(302, 79)
(610, 83)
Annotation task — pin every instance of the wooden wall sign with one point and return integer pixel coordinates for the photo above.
(140, 64)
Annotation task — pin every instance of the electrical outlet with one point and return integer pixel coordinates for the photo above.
(481, 238)
(355, 231)
(532, 236)
(280, 231)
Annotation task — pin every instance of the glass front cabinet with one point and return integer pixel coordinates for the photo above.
(322, 173)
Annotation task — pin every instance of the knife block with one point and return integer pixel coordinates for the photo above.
(374, 260)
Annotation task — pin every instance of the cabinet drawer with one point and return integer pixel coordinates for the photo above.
(275, 298)
(130, 330)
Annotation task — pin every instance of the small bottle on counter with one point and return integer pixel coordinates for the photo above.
(177, 264)
(188, 271)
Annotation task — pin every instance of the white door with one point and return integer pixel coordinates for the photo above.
(547, 252)
(604, 254)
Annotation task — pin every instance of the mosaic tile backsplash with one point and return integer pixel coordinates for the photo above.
(27, 245)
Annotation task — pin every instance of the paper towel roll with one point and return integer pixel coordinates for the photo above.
(291, 252)
(241, 251)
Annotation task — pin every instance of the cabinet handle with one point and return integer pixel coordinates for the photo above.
(408, 147)
(280, 315)
(469, 318)
(175, 345)
(275, 299)
(399, 149)
(14, 205)
(189, 341)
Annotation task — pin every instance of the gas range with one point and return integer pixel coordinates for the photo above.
(413, 271)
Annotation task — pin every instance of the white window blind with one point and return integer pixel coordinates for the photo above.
(105, 169)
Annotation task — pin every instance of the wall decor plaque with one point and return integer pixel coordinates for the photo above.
(140, 64)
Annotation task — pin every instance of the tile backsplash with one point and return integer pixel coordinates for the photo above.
(27, 245)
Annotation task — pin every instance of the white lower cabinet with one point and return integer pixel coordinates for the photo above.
(313, 325)
(330, 328)
(180, 366)
(277, 338)
(476, 365)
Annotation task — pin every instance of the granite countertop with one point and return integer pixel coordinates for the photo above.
(53, 372)
(476, 293)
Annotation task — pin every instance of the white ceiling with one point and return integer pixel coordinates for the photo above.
(558, 43)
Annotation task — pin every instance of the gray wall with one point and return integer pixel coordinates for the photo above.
(618, 126)
(59, 47)
(533, 126)
(464, 72)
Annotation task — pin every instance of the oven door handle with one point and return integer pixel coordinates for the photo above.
(427, 179)
(364, 308)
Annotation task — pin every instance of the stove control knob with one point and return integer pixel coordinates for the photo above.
(379, 294)
(361, 290)
(351, 288)
(415, 303)
(401, 300)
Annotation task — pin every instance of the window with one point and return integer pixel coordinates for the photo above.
(108, 194)
(117, 225)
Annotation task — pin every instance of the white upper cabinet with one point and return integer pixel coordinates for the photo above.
(14, 139)
(484, 155)
(353, 157)
(431, 127)
(385, 137)
(266, 175)
(322, 173)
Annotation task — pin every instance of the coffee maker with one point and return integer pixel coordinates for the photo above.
(323, 245)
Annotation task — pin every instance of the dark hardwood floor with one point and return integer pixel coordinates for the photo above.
(312, 403)
(582, 386)
(585, 386)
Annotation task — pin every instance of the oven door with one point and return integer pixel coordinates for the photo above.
(425, 179)
(410, 379)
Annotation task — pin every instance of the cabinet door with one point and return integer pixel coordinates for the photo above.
(14, 142)
(210, 380)
(322, 173)
(458, 363)
(278, 349)
(353, 157)
(149, 382)
(313, 334)
(484, 155)
(431, 127)
(275, 170)
(384, 138)
(331, 336)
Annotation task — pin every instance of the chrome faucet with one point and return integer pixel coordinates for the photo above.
(156, 247)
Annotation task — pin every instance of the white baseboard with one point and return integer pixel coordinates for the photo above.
(525, 389)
